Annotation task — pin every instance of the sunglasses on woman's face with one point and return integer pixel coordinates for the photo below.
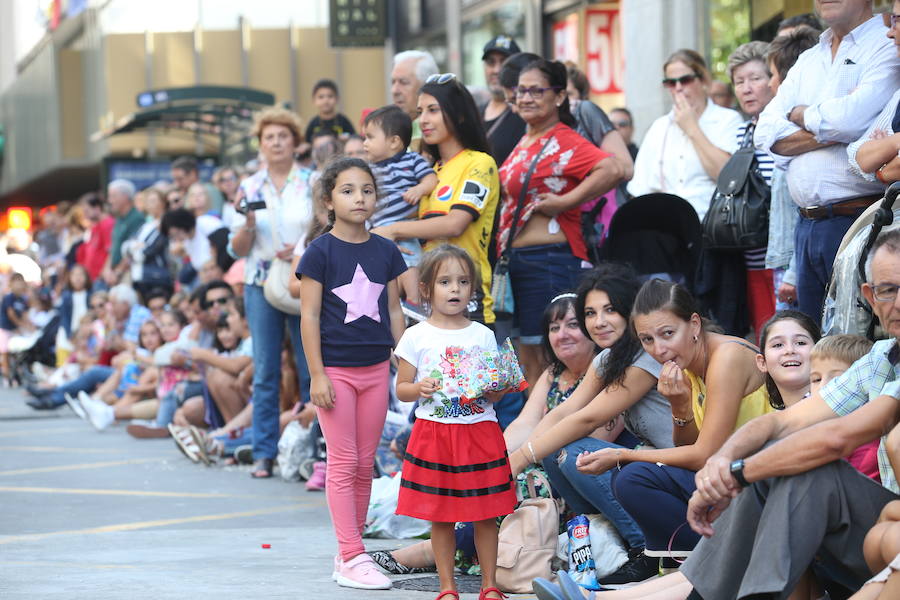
(670, 82)
(441, 78)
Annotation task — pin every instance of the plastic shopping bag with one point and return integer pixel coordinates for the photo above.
(381, 522)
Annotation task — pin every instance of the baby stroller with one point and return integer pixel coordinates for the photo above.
(845, 310)
(659, 235)
(37, 347)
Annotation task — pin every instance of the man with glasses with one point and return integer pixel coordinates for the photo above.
(804, 503)
(829, 98)
(503, 126)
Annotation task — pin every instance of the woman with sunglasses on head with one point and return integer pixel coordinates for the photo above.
(540, 220)
(684, 150)
(460, 210)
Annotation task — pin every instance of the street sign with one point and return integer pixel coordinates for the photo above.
(357, 23)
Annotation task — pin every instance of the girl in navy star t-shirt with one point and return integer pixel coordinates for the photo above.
(350, 320)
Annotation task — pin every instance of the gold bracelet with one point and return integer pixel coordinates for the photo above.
(682, 422)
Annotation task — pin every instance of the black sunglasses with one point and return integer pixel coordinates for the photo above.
(671, 82)
(219, 301)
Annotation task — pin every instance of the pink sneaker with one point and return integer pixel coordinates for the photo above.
(337, 567)
(316, 481)
(362, 573)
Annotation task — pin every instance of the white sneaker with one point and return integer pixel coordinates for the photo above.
(75, 405)
(100, 414)
(337, 567)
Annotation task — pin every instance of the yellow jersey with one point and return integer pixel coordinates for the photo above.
(469, 181)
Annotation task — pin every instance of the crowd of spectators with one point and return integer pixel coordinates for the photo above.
(648, 403)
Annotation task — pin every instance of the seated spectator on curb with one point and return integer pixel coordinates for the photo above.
(222, 366)
(101, 415)
(792, 456)
(13, 319)
(124, 319)
(622, 381)
(831, 357)
(713, 387)
(132, 367)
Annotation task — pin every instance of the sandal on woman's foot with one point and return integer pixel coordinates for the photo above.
(386, 561)
(444, 595)
(491, 590)
(262, 468)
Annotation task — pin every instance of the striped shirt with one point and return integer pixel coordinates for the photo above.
(755, 260)
(875, 374)
(394, 176)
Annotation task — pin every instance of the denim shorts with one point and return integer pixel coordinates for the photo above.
(414, 246)
(537, 274)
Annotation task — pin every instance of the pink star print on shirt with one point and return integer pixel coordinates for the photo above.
(361, 296)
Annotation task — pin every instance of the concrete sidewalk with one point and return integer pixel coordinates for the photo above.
(104, 516)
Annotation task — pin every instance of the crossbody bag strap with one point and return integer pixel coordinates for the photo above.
(522, 195)
(497, 122)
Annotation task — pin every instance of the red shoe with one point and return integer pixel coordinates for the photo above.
(486, 591)
(453, 593)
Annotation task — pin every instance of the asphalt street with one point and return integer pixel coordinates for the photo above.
(101, 515)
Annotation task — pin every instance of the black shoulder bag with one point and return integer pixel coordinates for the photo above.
(501, 290)
(738, 215)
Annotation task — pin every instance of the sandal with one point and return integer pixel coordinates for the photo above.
(262, 468)
(452, 593)
(184, 442)
(486, 591)
(386, 561)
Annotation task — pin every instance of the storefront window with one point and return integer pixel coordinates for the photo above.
(507, 19)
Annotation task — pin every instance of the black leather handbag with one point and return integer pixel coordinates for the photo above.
(738, 215)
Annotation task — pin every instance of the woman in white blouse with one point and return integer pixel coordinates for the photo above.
(684, 150)
(277, 206)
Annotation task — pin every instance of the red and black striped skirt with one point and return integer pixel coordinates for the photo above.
(456, 472)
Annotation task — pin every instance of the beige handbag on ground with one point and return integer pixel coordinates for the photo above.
(528, 539)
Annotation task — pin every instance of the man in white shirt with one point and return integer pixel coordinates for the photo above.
(828, 100)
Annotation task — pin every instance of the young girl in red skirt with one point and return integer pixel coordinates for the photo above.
(456, 467)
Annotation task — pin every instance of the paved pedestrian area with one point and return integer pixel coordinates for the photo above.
(103, 516)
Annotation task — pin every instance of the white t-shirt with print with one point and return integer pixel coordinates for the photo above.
(432, 350)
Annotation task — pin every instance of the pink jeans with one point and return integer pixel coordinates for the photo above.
(352, 430)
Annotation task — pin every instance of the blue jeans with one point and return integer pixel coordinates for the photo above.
(588, 494)
(815, 246)
(537, 274)
(175, 398)
(657, 497)
(267, 329)
(87, 382)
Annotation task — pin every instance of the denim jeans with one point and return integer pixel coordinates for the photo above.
(87, 382)
(815, 246)
(589, 494)
(175, 398)
(267, 329)
(537, 274)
